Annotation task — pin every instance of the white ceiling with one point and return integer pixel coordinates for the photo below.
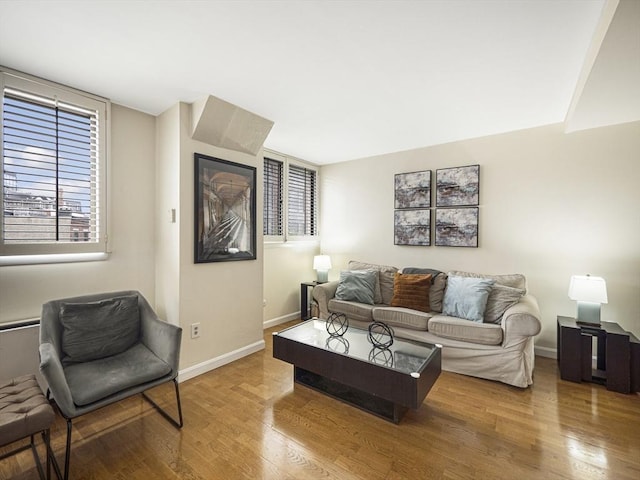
(340, 79)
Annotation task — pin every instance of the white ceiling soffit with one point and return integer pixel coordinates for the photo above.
(225, 125)
(608, 92)
(341, 80)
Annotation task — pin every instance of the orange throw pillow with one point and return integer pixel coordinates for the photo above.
(411, 291)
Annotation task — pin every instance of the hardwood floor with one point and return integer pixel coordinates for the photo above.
(246, 420)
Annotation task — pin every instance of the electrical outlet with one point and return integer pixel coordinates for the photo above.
(195, 330)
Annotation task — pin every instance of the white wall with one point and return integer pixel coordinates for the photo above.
(551, 205)
(286, 266)
(167, 198)
(24, 288)
(224, 297)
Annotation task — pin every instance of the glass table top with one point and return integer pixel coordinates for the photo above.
(403, 355)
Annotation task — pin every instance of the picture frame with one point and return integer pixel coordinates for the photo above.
(412, 227)
(457, 227)
(224, 210)
(458, 186)
(413, 189)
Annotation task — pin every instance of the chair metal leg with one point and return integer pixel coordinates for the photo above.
(177, 424)
(46, 438)
(67, 456)
(36, 457)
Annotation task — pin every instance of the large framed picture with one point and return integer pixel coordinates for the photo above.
(413, 190)
(225, 210)
(457, 227)
(412, 227)
(458, 186)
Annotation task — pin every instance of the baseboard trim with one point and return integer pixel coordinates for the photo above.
(546, 352)
(277, 321)
(212, 364)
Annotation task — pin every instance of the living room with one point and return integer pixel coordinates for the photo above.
(553, 203)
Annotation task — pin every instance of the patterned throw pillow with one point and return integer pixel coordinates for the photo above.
(411, 291)
(438, 284)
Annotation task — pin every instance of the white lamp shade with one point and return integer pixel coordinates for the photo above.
(322, 263)
(585, 288)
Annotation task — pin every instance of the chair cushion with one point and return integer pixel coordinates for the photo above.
(93, 381)
(465, 331)
(94, 330)
(23, 409)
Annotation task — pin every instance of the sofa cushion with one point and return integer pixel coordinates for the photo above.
(94, 330)
(514, 280)
(422, 271)
(402, 317)
(354, 310)
(500, 299)
(436, 294)
(466, 297)
(93, 381)
(463, 330)
(357, 286)
(384, 283)
(411, 291)
(438, 284)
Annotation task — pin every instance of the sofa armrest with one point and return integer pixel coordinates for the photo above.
(521, 320)
(51, 369)
(322, 293)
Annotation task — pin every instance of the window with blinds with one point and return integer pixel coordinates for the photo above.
(272, 209)
(290, 199)
(301, 208)
(52, 170)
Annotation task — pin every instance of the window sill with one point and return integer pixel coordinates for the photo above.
(54, 258)
(291, 243)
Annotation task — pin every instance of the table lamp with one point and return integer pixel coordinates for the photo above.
(322, 265)
(590, 292)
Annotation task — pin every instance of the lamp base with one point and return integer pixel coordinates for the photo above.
(588, 314)
(323, 277)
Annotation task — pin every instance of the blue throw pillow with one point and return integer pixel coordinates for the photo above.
(466, 297)
(357, 286)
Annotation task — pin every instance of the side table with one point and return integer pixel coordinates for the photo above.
(304, 299)
(615, 360)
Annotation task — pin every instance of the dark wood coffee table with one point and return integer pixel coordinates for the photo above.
(384, 382)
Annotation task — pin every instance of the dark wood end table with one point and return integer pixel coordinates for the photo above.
(617, 353)
(304, 299)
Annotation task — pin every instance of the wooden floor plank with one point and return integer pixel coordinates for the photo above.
(248, 420)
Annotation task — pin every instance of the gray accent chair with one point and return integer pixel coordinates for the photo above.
(98, 349)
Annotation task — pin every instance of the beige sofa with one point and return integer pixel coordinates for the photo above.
(501, 351)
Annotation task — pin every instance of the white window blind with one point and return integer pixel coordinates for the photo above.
(273, 195)
(301, 211)
(53, 185)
